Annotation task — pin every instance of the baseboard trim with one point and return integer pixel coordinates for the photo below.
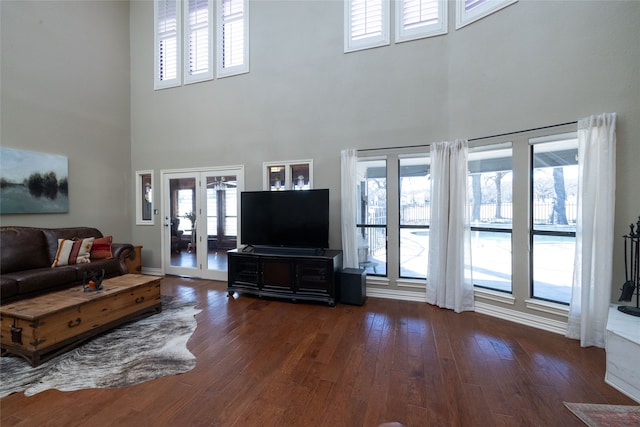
(526, 319)
(152, 271)
(532, 320)
(396, 294)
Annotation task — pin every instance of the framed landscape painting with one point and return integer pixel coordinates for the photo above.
(32, 182)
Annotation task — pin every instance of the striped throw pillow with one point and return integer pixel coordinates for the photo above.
(76, 251)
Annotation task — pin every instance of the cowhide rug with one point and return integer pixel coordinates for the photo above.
(136, 352)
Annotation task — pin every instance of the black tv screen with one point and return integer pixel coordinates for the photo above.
(296, 219)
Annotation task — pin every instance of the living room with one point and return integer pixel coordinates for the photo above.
(77, 80)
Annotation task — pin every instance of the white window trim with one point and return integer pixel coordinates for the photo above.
(163, 84)
(140, 194)
(464, 18)
(221, 71)
(351, 45)
(288, 178)
(204, 76)
(422, 31)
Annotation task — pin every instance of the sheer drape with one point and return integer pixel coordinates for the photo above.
(449, 281)
(349, 163)
(591, 294)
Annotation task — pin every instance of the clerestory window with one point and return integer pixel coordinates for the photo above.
(469, 11)
(417, 19)
(366, 24)
(233, 37)
(187, 38)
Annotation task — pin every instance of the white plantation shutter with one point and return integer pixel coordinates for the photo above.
(198, 48)
(468, 11)
(167, 43)
(366, 24)
(420, 18)
(233, 37)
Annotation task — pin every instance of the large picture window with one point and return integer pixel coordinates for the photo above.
(415, 216)
(522, 190)
(371, 219)
(491, 200)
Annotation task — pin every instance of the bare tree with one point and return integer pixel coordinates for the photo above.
(559, 211)
(476, 186)
(497, 180)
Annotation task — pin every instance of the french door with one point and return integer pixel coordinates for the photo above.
(200, 214)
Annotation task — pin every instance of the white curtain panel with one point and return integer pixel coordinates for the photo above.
(449, 281)
(349, 176)
(591, 293)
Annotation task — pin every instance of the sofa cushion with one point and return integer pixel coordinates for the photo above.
(22, 249)
(101, 248)
(8, 287)
(75, 251)
(43, 279)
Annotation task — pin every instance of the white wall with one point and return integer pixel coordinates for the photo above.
(65, 90)
(533, 64)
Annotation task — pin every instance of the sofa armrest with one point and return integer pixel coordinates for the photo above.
(122, 252)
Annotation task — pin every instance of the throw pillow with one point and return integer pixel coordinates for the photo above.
(101, 248)
(75, 251)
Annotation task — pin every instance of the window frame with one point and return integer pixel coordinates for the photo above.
(221, 70)
(362, 226)
(533, 141)
(189, 78)
(144, 177)
(159, 83)
(289, 181)
(487, 148)
(483, 9)
(366, 42)
(420, 30)
(401, 225)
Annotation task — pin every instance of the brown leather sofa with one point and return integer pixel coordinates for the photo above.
(27, 253)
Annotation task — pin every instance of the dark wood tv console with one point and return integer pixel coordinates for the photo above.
(294, 276)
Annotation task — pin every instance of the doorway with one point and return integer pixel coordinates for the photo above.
(200, 211)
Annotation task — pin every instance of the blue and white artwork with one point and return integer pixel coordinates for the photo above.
(32, 182)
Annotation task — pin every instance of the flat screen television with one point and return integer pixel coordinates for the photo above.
(288, 219)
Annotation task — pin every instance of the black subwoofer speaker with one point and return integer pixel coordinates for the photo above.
(353, 286)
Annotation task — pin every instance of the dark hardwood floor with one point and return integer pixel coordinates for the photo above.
(275, 363)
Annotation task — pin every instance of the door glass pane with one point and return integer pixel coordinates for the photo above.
(182, 194)
(415, 212)
(554, 198)
(372, 216)
(222, 219)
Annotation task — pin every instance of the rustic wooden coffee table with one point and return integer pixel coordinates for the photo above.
(45, 326)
